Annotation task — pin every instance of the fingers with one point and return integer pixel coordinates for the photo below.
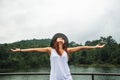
(15, 50)
(103, 45)
(12, 49)
(100, 46)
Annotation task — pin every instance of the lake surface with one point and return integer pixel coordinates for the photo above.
(73, 69)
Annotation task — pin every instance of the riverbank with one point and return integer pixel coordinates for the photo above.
(98, 65)
(80, 65)
(6, 70)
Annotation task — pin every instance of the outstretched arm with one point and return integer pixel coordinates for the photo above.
(75, 49)
(46, 49)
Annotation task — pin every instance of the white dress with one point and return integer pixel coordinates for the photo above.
(59, 66)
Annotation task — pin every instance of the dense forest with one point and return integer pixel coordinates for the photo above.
(110, 54)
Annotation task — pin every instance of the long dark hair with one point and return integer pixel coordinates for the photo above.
(59, 35)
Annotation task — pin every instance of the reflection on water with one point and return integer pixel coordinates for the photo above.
(26, 77)
(73, 69)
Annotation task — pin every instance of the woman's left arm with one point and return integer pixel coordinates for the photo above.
(78, 48)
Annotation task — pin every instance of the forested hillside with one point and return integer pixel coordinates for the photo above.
(110, 54)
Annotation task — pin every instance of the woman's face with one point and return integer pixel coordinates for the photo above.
(60, 40)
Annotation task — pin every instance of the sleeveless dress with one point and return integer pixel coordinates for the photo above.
(59, 66)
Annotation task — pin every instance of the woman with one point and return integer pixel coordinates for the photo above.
(59, 52)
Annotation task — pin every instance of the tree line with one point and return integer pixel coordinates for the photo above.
(110, 54)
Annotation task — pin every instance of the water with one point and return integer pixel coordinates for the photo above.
(73, 69)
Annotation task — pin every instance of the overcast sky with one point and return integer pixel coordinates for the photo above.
(80, 20)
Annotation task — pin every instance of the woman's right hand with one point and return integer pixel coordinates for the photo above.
(16, 50)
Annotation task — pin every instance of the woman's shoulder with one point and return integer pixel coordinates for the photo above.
(49, 50)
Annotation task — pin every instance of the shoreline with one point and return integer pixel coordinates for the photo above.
(80, 65)
(98, 65)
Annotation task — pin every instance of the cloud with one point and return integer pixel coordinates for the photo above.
(80, 20)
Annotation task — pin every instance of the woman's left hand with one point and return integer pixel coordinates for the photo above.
(99, 46)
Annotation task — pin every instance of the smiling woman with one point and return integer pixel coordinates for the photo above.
(59, 52)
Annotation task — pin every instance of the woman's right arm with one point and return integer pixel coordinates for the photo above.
(46, 49)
